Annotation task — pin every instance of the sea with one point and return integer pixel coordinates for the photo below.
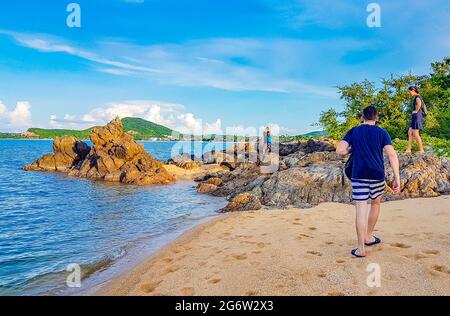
(68, 236)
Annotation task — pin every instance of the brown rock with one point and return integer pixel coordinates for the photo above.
(68, 152)
(216, 181)
(206, 187)
(115, 157)
(243, 202)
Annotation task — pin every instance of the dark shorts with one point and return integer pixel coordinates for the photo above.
(417, 121)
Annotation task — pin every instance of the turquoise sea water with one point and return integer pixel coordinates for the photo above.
(49, 220)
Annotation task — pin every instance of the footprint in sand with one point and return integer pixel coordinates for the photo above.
(171, 270)
(315, 253)
(250, 293)
(400, 245)
(167, 260)
(214, 281)
(312, 228)
(335, 294)
(329, 243)
(321, 275)
(417, 256)
(187, 291)
(260, 245)
(305, 235)
(149, 287)
(440, 268)
(295, 223)
(430, 252)
(340, 261)
(203, 263)
(240, 256)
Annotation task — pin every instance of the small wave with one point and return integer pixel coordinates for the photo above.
(47, 283)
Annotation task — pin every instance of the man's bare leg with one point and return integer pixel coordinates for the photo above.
(373, 218)
(362, 214)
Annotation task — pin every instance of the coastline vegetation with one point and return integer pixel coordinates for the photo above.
(393, 103)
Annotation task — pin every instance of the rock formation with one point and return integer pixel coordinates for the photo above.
(310, 173)
(67, 153)
(114, 157)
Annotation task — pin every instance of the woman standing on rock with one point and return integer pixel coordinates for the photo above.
(417, 119)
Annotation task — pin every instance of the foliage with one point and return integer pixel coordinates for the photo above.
(145, 129)
(10, 136)
(438, 145)
(52, 133)
(393, 102)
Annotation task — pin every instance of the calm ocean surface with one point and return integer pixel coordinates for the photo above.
(49, 220)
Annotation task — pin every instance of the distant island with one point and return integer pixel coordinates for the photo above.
(139, 128)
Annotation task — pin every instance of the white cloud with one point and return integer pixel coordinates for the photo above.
(18, 119)
(171, 115)
(167, 114)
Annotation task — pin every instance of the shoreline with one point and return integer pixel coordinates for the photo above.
(138, 254)
(300, 252)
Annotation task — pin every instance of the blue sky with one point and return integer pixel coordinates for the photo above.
(204, 65)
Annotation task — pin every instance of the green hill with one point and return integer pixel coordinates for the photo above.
(51, 133)
(137, 127)
(145, 129)
(10, 135)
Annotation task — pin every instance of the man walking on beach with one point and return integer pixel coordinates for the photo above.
(366, 144)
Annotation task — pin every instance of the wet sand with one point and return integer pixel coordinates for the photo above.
(301, 252)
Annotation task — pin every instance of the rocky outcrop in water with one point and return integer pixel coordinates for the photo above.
(67, 153)
(114, 157)
(310, 172)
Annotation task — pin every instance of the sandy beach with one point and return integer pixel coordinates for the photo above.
(301, 252)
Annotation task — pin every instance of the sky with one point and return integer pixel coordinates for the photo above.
(204, 65)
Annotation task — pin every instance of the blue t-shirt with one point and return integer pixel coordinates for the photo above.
(367, 142)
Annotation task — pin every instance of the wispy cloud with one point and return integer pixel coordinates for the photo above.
(222, 63)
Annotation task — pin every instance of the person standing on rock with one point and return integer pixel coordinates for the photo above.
(366, 144)
(417, 119)
(268, 139)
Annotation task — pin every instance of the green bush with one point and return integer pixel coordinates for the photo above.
(439, 146)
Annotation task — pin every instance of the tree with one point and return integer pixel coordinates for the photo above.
(394, 104)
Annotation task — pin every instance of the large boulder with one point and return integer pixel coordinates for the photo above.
(114, 157)
(422, 175)
(67, 153)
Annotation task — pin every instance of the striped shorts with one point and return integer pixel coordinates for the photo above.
(363, 189)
